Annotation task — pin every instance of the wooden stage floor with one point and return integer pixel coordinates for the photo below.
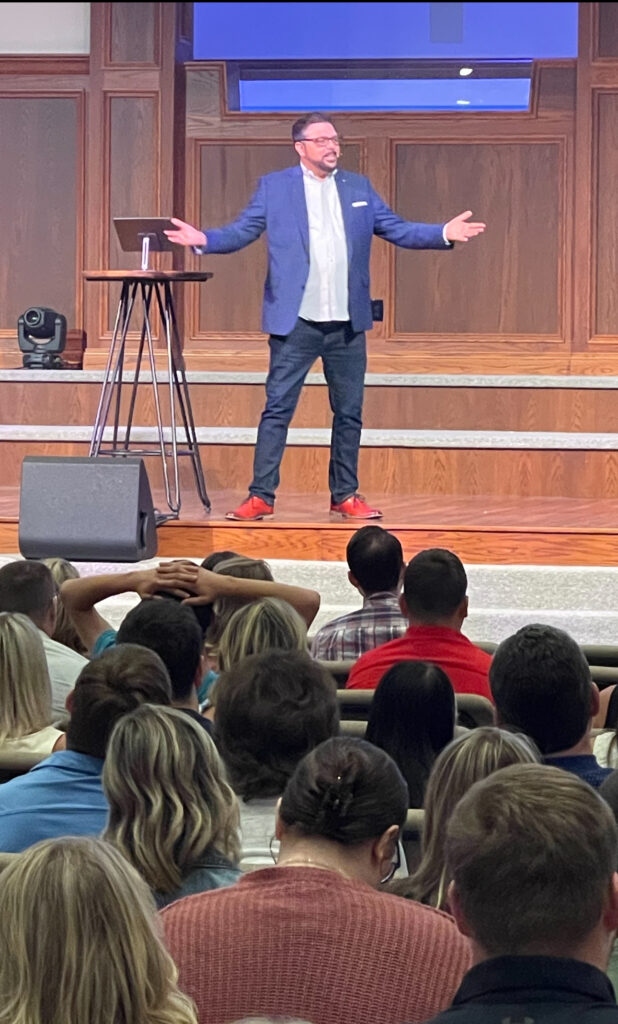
(484, 530)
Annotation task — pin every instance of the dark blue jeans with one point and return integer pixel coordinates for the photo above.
(344, 359)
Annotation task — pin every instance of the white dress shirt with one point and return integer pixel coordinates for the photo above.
(326, 292)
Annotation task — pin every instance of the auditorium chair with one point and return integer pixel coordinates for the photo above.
(601, 654)
(472, 709)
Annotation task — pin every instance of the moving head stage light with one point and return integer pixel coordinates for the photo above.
(42, 335)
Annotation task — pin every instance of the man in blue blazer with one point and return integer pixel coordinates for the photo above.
(320, 223)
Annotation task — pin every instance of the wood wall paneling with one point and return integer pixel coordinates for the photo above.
(133, 177)
(134, 33)
(507, 282)
(605, 253)
(607, 29)
(40, 189)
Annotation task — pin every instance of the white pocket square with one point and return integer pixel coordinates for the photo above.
(361, 202)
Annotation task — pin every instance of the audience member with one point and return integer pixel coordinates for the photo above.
(26, 729)
(315, 938)
(172, 631)
(467, 759)
(65, 632)
(182, 579)
(532, 853)
(412, 718)
(376, 565)
(171, 811)
(435, 603)
(267, 623)
(28, 587)
(79, 941)
(63, 795)
(242, 568)
(541, 684)
(271, 710)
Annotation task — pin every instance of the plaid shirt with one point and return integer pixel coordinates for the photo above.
(349, 636)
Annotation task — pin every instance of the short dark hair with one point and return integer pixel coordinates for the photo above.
(107, 688)
(540, 682)
(345, 790)
(27, 586)
(532, 850)
(315, 117)
(375, 559)
(271, 709)
(173, 632)
(412, 718)
(434, 584)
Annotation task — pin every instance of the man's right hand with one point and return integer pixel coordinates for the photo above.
(185, 234)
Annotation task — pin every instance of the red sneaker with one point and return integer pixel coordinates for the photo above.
(252, 508)
(355, 507)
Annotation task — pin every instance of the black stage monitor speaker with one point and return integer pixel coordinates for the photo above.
(86, 510)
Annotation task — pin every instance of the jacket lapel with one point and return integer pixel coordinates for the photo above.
(344, 198)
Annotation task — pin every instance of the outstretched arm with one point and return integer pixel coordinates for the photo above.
(412, 235)
(248, 226)
(80, 596)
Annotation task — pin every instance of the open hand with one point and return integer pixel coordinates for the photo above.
(185, 234)
(459, 229)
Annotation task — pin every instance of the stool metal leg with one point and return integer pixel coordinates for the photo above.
(174, 504)
(113, 370)
(177, 372)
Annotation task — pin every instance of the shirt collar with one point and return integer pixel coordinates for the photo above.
(521, 977)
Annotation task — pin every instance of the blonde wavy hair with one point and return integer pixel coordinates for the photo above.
(65, 632)
(468, 758)
(168, 797)
(241, 567)
(266, 624)
(79, 941)
(25, 689)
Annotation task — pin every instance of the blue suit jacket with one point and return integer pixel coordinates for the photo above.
(278, 207)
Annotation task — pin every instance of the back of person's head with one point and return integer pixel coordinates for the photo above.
(375, 559)
(265, 624)
(223, 608)
(215, 558)
(168, 797)
(25, 689)
(27, 587)
(532, 851)
(271, 710)
(110, 686)
(540, 682)
(345, 790)
(434, 586)
(65, 631)
(469, 757)
(172, 631)
(412, 718)
(79, 941)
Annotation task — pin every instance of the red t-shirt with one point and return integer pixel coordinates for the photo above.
(466, 665)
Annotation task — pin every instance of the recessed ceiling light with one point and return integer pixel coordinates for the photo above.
(463, 103)
(464, 72)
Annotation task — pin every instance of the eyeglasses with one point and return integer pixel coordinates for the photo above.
(323, 141)
(395, 865)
